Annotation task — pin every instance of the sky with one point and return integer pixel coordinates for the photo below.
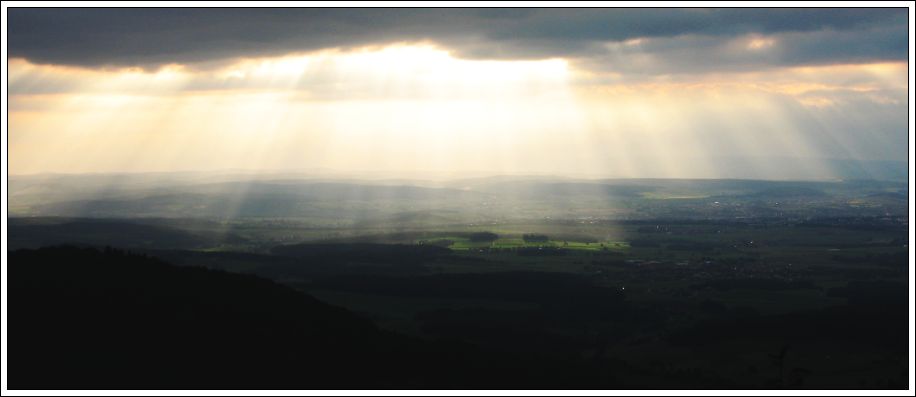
(737, 92)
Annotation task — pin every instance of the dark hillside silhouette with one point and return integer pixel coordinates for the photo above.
(92, 319)
(87, 318)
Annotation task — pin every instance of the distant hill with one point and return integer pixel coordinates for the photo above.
(38, 232)
(373, 204)
(281, 198)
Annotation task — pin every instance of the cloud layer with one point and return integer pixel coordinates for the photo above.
(616, 39)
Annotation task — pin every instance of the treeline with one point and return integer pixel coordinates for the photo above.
(363, 252)
(535, 238)
(483, 237)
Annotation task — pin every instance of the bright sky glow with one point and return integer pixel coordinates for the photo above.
(415, 107)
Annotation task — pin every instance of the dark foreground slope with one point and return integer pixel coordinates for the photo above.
(84, 318)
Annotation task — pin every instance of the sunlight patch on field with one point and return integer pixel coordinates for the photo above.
(465, 244)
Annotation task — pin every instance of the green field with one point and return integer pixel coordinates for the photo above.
(460, 243)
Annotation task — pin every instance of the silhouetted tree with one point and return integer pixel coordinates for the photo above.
(483, 237)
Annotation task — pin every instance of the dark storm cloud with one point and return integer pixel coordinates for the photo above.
(698, 54)
(150, 37)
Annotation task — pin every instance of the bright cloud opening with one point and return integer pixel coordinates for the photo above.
(402, 108)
